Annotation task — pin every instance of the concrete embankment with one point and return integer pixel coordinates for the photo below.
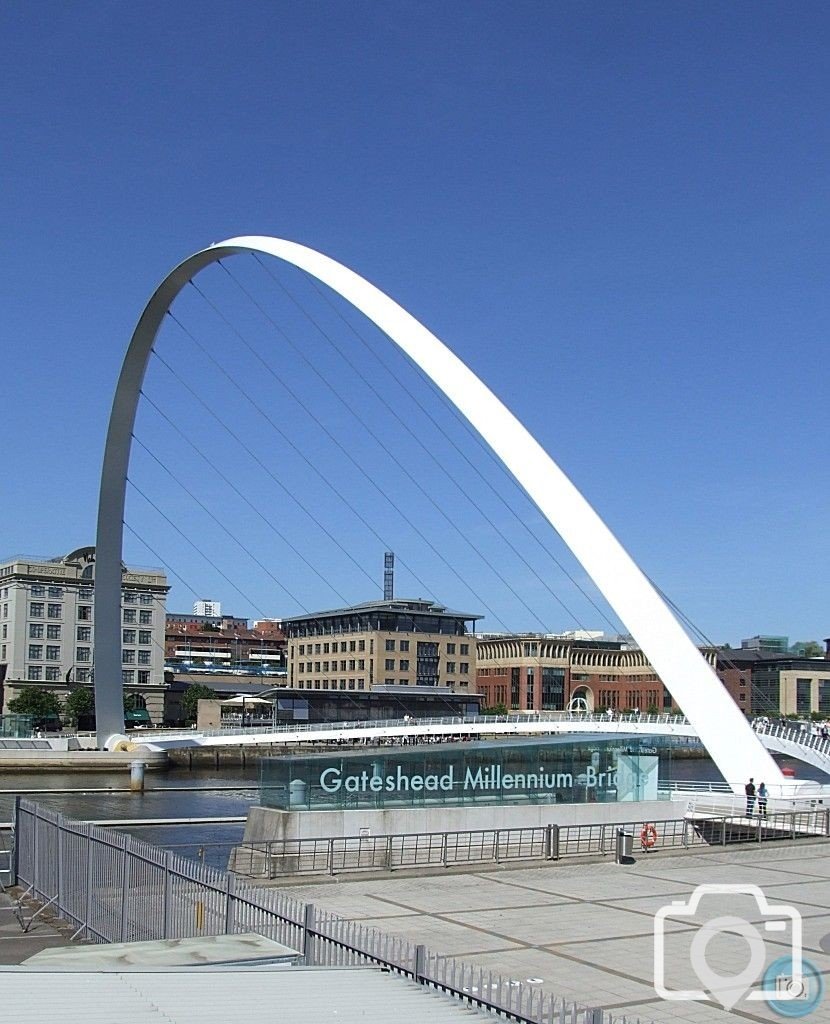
(79, 760)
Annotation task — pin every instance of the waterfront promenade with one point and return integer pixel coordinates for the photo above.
(585, 930)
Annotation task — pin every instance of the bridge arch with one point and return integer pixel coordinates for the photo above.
(720, 724)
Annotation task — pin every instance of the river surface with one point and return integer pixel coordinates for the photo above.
(209, 793)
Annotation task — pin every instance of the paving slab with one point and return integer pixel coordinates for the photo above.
(586, 930)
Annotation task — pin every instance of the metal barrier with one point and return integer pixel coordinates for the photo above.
(278, 858)
(6, 855)
(115, 888)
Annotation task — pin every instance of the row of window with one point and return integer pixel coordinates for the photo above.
(332, 648)
(52, 674)
(332, 684)
(350, 665)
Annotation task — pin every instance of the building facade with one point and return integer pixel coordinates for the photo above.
(535, 673)
(228, 646)
(47, 632)
(539, 673)
(394, 643)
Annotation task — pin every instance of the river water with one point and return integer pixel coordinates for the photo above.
(208, 793)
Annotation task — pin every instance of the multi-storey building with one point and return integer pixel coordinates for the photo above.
(47, 632)
(392, 643)
(536, 673)
(540, 673)
(225, 646)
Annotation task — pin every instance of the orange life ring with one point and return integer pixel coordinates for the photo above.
(648, 837)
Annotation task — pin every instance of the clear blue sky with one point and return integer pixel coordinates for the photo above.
(617, 215)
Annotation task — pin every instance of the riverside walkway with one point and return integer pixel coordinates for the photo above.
(587, 930)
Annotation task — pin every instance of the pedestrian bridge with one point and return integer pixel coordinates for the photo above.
(793, 742)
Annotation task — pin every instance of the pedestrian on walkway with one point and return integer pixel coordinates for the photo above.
(749, 789)
(762, 800)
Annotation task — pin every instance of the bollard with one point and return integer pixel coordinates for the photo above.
(137, 776)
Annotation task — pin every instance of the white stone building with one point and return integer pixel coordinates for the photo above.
(47, 633)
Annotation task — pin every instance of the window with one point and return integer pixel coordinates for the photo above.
(144, 657)
(5, 631)
(404, 646)
(351, 664)
(464, 668)
(389, 682)
(302, 648)
(129, 597)
(361, 645)
(85, 594)
(35, 630)
(128, 636)
(802, 696)
(56, 592)
(53, 611)
(465, 649)
(361, 664)
(145, 636)
(35, 651)
(343, 665)
(5, 611)
(343, 650)
(451, 667)
(53, 632)
(316, 648)
(38, 590)
(82, 675)
(145, 618)
(53, 652)
(145, 598)
(83, 633)
(404, 664)
(85, 612)
(390, 645)
(352, 645)
(450, 648)
(143, 677)
(53, 673)
(36, 609)
(129, 615)
(127, 676)
(82, 654)
(390, 664)
(35, 672)
(325, 648)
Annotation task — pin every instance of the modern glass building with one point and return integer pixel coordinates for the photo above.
(547, 770)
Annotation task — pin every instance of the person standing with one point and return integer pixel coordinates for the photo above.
(762, 800)
(749, 789)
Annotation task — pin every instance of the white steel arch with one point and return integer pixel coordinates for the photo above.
(719, 723)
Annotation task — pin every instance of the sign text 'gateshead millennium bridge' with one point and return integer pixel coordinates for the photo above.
(492, 777)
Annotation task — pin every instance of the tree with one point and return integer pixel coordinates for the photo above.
(807, 649)
(80, 704)
(496, 709)
(35, 702)
(191, 697)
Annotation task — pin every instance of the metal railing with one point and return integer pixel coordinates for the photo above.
(114, 888)
(279, 858)
(802, 737)
(413, 725)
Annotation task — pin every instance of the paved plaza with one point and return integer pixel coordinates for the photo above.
(17, 945)
(585, 930)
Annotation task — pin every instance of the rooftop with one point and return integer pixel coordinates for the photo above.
(398, 605)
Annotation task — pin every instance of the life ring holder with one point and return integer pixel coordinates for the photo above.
(648, 836)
